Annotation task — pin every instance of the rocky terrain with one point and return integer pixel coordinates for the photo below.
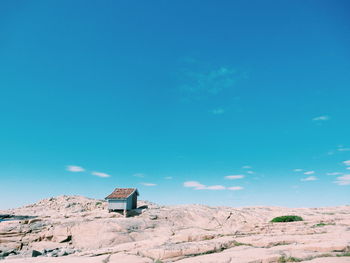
(73, 229)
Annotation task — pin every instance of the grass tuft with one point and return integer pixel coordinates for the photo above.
(284, 259)
(323, 224)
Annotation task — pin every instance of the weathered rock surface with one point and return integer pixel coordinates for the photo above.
(72, 229)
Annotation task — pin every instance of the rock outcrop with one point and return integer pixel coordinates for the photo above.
(71, 229)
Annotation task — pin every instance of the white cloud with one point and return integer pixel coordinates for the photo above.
(198, 186)
(194, 184)
(310, 178)
(140, 175)
(247, 167)
(99, 174)
(217, 111)
(168, 177)
(321, 118)
(309, 172)
(234, 177)
(347, 168)
(297, 170)
(347, 163)
(250, 172)
(148, 184)
(335, 173)
(75, 169)
(235, 188)
(215, 187)
(343, 180)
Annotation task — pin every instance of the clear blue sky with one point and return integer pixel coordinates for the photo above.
(172, 97)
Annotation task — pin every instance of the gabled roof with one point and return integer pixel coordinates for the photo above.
(122, 193)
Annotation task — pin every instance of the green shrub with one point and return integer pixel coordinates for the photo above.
(286, 219)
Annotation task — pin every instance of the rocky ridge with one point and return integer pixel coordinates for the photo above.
(71, 229)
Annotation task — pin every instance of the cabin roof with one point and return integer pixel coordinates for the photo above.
(122, 193)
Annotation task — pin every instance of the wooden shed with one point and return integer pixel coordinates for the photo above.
(122, 199)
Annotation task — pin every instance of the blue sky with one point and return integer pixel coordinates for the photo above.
(212, 102)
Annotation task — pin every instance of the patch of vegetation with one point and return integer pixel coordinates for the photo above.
(288, 218)
(345, 254)
(323, 224)
(324, 255)
(98, 203)
(208, 237)
(320, 224)
(284, 259)
(206, 252)
(281, 243)
(158, 261)
(241, 244)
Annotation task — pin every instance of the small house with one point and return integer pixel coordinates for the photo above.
(122, 199)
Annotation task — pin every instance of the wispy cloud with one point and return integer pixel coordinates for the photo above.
(148, 184)
(250, 172)
(343, 180)
(194, 184)
(189, 60)
(168, 177)
(339, 149)
(343, 149)
(99, 174)
(310, 178)
(215, 187)
(75, 168)
(140, 175)
(217, 111)
(247, 167)
(321, 118)
(234, 177)
(198, 186)
(209, 82)
(297, 170)
(334, 173)
(347, 163)
(309, 172)
(235, 188)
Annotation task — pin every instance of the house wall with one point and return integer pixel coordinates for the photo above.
(134, 201)
(117, 204)
(129, 203)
